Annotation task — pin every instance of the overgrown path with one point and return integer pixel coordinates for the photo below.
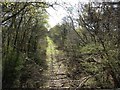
(56, 72)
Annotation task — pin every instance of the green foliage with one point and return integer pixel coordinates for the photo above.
(91, 48)
(22, 47)
(12, 66)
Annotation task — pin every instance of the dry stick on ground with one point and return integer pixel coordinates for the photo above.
(85, 79)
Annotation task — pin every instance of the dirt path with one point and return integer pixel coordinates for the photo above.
(56, 72)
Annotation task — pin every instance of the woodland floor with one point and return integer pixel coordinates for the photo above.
(56, 72)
